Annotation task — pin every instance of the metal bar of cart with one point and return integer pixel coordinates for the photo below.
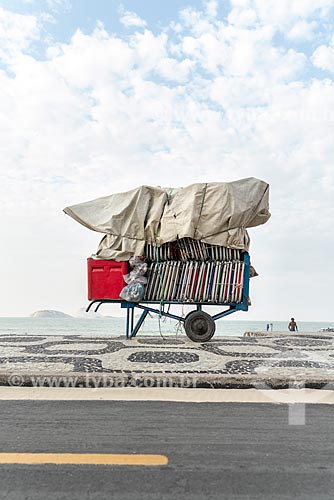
(132, 329)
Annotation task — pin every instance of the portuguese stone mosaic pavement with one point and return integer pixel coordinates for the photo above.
(277, 361)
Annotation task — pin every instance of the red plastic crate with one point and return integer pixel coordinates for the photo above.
(105, 278)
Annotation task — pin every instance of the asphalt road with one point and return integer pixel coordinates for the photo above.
(215, 450)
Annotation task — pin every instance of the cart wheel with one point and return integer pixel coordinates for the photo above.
(199, 326)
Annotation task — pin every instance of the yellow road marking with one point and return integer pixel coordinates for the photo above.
(82, 459)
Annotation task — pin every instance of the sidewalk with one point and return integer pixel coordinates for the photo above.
(226, 362)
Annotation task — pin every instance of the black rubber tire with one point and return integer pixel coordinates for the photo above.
(199, 326)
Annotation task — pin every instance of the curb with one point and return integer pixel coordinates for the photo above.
(147, 380)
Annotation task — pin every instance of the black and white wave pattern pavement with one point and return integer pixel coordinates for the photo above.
(223, 362)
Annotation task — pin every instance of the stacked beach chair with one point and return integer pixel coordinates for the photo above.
(189, 270)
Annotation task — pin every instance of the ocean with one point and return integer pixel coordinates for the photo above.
(113, 327)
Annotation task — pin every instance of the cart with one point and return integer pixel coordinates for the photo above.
(198, 324)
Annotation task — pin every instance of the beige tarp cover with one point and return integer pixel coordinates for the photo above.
(215, 212)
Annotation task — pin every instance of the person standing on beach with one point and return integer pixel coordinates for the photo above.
(293, 326)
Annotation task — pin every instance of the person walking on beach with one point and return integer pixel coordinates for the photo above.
(293, 326)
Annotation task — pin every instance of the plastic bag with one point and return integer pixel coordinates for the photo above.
(140, 268)
(133, 293)
(135, 261)
(132, 277)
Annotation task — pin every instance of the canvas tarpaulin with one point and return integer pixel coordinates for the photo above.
(216, 213)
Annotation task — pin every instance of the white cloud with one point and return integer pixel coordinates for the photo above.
(323, 57)
(211, 8)
(17, 32)
(130, 19)
(284, 15)
(242, 17)
(197, 21)
(239, 92)
(172, 70)
(103, 113)
(148, 50)
(241, 52)
(303, 31)
(285, 11)
(90, 59)
(58, 5)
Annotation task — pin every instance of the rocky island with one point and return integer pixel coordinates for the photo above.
(49, 313)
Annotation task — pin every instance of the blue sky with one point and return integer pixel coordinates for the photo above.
(83, 14)
(66, 16)
(98, 97)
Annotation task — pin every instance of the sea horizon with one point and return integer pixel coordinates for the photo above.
(115, 326)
